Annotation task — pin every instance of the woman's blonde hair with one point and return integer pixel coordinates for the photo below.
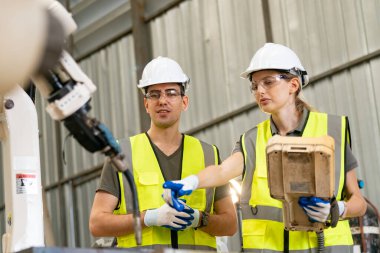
(301, 103)
(300, 100)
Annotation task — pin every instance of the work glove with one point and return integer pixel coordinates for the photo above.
(175, 189)
(167, 216)
(193, 212)
(319, 210)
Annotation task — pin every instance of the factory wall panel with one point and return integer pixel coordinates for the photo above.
(212, 42)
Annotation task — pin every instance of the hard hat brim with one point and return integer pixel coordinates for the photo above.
(247, 73)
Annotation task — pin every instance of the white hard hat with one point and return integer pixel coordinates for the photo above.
(278, 57)
(163, 70)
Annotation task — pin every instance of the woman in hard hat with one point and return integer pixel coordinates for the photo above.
(277, 77)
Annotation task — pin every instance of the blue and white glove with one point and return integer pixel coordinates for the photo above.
(318, 209)
(167, 216)
(193, 212)
(175, 189)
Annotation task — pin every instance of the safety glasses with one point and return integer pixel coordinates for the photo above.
(169, 94)
(267, 82)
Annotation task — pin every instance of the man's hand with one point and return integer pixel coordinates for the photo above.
(175, 189)
(169, 217)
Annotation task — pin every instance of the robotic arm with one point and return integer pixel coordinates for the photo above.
(32, 39)
(67, 89)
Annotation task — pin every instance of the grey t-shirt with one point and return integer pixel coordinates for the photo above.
(350, 161)
(170, 169)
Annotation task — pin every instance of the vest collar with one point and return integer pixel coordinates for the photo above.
(298, 130)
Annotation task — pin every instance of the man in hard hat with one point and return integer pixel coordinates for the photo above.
(276, 78)
(163, 153)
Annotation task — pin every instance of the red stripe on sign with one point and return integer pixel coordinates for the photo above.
(25, 176)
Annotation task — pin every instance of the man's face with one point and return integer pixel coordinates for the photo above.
(164, 104)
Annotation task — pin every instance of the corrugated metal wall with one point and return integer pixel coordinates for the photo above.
(214, 41)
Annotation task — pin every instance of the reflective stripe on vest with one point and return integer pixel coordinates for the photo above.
(262, 215)
(330, 249)
(141, 160)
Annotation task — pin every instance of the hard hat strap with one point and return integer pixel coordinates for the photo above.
(300, 73)
(297, 72)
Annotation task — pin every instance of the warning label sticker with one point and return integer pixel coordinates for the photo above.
(26, 183)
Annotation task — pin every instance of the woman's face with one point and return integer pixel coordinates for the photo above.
(274, 90)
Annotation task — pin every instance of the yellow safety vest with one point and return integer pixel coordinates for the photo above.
(148, 177)
(263, 227)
